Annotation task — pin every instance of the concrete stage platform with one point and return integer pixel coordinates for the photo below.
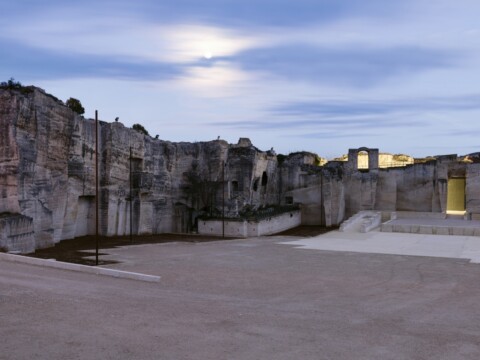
(432, 226)
(413, 244)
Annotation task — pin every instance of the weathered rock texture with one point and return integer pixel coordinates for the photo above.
(47, 176)
(148, 186)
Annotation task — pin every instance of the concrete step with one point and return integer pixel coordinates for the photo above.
(455, 216)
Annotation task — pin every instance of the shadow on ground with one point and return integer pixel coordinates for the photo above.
(81, 250)
(307, 231)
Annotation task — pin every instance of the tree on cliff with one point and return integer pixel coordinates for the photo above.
(75, 105)
(140, 129)
(11, 84)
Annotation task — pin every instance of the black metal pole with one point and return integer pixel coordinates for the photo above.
(96, 187)
(223, 199)
(131, 198)
(322, 202)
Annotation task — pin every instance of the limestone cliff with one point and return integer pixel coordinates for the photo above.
(47, 176)
(149, 186)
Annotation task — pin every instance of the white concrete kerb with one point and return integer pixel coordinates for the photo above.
(77, 267)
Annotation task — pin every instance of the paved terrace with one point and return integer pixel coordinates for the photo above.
(376, 242)
(259, 298)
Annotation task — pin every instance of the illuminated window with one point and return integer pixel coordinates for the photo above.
(362, 160)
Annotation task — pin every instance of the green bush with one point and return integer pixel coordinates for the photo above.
(75, 105)
(140, 129)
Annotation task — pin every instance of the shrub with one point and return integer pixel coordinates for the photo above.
(75, 105)
(140, 129)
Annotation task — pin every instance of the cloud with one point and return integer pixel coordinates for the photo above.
(462, 133)
(373, 65)
(375, 108)
(189, 43)
(112, 35)
(334, 135)
(106, 48)
(355, 66)
(347, 118)
(212, 81)
(264, 12)
(335, 123)
(24, 61)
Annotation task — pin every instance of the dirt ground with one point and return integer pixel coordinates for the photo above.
(79, 250)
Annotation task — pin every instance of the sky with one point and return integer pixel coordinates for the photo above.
(296, 75)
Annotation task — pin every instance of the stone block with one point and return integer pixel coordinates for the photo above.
(425, 229)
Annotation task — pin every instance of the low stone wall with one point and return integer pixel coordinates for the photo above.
(251, 228)
(275, 224)
(233, 228)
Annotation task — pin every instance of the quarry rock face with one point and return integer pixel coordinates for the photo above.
(147, 186)
(48, 179)
(472, 188)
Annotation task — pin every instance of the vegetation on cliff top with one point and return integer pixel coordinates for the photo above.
(15, 85)
(75, 105)
(140, 129)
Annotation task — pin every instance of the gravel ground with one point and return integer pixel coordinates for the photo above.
(244, 299)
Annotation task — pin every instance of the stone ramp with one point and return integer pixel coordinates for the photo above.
(363, 221)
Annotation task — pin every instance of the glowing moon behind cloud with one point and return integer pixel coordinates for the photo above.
(187, 43)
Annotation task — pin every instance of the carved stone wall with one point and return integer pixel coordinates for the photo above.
(47, 174)
(47, 179)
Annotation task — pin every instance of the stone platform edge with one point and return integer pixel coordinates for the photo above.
(78, 267)
(430, 229)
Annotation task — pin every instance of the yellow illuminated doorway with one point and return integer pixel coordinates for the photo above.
(456, 195)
